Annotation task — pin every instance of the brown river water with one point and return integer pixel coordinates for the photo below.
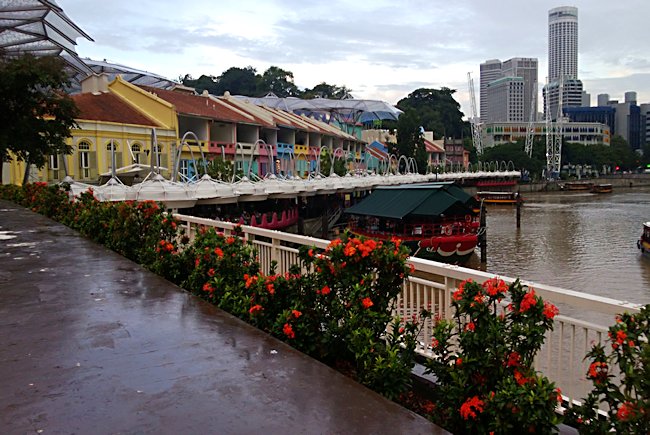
(579, 241)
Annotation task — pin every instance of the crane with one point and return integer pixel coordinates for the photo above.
(554, 133)
(474, 119)
(530, 131)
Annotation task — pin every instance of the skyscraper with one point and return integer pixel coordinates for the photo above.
(495, 107)
(490, 71)
(562, 43)
(562, 61)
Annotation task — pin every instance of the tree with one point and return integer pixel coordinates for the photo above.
(203, 83)
(626, 158)
(238, 81)
(325, 90)
(278, 81)
(35, 114)
(514, 152)
(220, 169)
(410, 142)
(437, 111)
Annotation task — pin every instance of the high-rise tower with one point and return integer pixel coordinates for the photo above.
(562, 43)
(562, 61)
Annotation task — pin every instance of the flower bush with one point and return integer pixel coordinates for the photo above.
(484, 356)
(626, 395)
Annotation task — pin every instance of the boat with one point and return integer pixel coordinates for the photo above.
(577, 185)
(499, 197)
(436, 221)
(644, 241)
(602, 188)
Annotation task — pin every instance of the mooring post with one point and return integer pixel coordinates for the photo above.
(483, 234)
(519, 203)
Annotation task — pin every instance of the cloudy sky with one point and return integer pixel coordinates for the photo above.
(380, 49)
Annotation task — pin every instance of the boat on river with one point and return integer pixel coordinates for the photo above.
(577, 186)
(602, 188)
(437, 221)
(505, 198)
(644, 241)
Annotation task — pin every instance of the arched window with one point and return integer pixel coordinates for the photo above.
(136, 147)
(84, 158)
(108, 146)
(83, 146)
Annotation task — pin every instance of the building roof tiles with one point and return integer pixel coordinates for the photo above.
(110, 108)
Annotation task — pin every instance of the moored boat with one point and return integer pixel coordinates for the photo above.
(644, 241)
(577, 185)
(602, 188)
(499, 197)
(436, 221)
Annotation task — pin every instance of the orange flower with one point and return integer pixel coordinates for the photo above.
(310, 252)
(471, 408)
(255, 309)
(528, 301)
(230, 240)
(211, 272)
(296, 313)
(598, 371)
(459, 362)
(288, 331)
(626, 411)
(207, 287)
(219, 252)
(367, 303)
(325, 290)
(470, 326)
(550, 310)
(349, 250)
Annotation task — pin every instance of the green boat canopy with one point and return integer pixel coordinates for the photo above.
(396, 202)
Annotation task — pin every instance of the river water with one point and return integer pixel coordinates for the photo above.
(579, 241)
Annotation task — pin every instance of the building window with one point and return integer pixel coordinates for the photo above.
(84, 158)
(136, 149)
(54, 162)
(108, 146)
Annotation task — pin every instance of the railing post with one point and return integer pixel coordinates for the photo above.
(276, 253)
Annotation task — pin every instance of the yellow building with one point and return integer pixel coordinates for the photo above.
(107, 119)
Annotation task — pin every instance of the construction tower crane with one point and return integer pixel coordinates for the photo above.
(530, 130)
(554, 134)
(474, 119)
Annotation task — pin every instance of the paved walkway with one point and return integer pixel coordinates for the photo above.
(92, 343)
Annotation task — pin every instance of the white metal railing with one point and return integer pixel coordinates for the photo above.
(584, 321)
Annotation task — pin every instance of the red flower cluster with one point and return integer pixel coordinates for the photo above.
(296, 314)
(513, 360)
(324, 291)
(495, 286)
(550, 310)
(207, 287)
(255, 309)
(356, 245)
(230, 240)
(367, 303)
(288, 331)
(470, 327)
(626, 411)
(458, 294)
(218, 252)
(529, 301)
(471, 408)
(598, 372)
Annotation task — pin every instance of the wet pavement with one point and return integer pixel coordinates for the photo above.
(92, 343)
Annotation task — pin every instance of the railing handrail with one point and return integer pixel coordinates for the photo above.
(597, 303)
(561, 358)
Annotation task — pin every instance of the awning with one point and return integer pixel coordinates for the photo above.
(431, 199)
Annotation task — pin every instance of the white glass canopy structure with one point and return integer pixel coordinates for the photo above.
(40, 27)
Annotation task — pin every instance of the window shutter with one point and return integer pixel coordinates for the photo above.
(118, 160)
(92, 163)
(163, 161)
